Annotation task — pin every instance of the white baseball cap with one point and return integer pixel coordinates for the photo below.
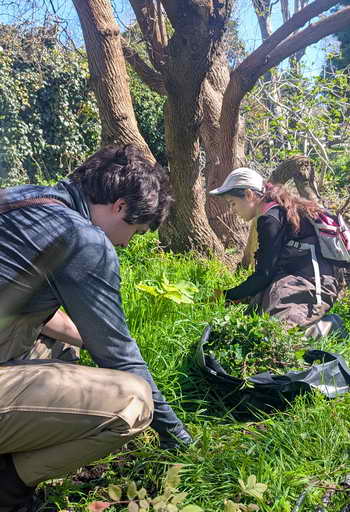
(241, 178)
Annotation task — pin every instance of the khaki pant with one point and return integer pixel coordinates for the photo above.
(292, 299)
(56, 416)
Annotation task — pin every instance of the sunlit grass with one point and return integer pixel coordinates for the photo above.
(305, 447)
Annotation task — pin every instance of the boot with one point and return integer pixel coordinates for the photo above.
(14, 494)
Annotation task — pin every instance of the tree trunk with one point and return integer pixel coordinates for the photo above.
(191, 54)
(108, 73)
(228, 227)
(187, 227)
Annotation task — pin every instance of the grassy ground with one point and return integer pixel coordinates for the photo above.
(303, 448)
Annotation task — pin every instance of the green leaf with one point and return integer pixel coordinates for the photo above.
(171, 508)
(187, 287)
(175, 296)
(133, 507)
(158, 499)
(114, 492)
(159, 506)
(251, 481)
(252, 487)
(172, 478)
(144, 504)
(152, 290)
(229, 506)
(179, 498)
(142, 493)
(131, 491)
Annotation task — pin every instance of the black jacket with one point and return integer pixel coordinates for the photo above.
(274, 259)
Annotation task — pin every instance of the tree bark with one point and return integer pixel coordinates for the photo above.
(227, 226)
(108, 74)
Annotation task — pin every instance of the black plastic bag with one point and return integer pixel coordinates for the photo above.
(268, 392)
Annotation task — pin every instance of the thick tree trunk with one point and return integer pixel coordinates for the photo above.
(187, 227)
(108, 73)
(191, 53)
(228, 227)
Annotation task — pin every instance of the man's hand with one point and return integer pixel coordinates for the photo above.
(60, 327)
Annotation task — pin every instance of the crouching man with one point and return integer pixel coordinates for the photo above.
(57, 249)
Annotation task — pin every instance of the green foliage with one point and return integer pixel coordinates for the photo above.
(181, 292)
(306, 446)
(148, 107)
(139, 501)
(309, 118)
(48, 119)
(249, 344)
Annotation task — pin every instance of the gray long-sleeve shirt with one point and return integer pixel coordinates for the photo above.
(53, 255)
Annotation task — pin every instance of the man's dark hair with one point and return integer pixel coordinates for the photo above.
(122, 172)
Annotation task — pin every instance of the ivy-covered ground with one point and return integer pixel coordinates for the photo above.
(304, 449)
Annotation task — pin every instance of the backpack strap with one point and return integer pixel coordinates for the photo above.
(310, 247)
(267, 206)
(22, 203)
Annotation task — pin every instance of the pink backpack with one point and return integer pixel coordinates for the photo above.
(333, 235)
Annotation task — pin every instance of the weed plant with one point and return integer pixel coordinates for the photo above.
(305, 448)
(246, 343)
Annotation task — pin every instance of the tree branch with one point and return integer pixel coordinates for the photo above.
(310, 35)
(152, 78)
(295, 22)
(263, 12)
(152, 27)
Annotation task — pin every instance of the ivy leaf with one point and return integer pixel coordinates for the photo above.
(114, 492)
(131, 491)
(97, 506)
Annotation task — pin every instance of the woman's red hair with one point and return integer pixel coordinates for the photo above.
(294, 206)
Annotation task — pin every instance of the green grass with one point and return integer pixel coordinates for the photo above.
(305, 447)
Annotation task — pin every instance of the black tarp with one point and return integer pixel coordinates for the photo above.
(267, 391)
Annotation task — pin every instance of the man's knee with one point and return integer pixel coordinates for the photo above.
(136, 406)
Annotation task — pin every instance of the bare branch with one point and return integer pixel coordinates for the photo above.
(297, 21)
(152, 27)
(263, 12)
(161, 25)
(285, 10)
(152, 78)
(313, 33)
